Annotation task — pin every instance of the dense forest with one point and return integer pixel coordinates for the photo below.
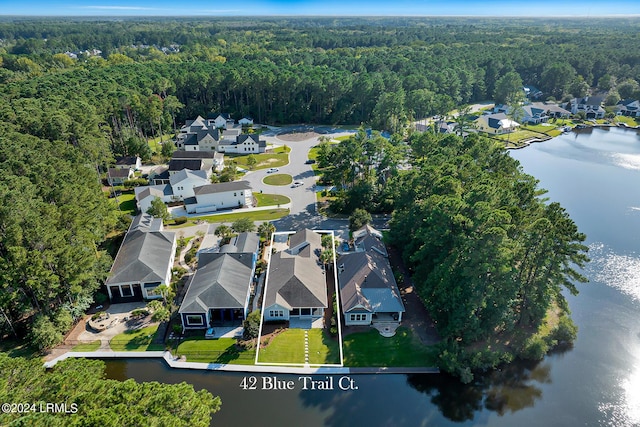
(74, 94)
(84, 398)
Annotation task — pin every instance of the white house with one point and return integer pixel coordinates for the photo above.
(176, 165)
(183, 183)
(295, 283)
(145, 195)
(224, 195)
(143, 262)
(245, 121)
(243, 144)
(130, 162)
(220, 121)
(212, 159)
(118, 176)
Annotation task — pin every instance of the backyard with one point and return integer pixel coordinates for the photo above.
(276, 158)
(288, 347)
(221, 350)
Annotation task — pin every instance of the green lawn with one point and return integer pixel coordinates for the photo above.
(322, 348)
(15, 348)
(288, 347)
(278, 179)
(630, 121)
(265, 215)
(87, 346)
(369, 348)
(271, 199)
(128, 203)
(278, 157)
(136, 340)
(221, 350)
(154, 142)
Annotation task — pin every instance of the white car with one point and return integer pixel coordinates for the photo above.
(272, 170)
(297, 184)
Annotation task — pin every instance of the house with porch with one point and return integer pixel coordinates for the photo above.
(590, 105)
(176, 165)
(220, 290)
(143, 262)
(369, 294)
(296, 283)
(497, 123)
(628, 107)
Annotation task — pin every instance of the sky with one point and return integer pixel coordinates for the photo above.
(528, 8)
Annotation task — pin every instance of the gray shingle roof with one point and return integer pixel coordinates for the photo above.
(143, 257)
(185, 173)
(366, 280)
(295, 281)
(222, 187)
(181, 154)
(221, 281)
(191, 164)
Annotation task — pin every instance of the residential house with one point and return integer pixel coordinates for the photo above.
(220, 120)
(184, 182)
(220, 289)
(551, 110)
(224, 195)
(243, 144)
(176, 165)
(129, 162)
(245, 121)
(534, 114)
(143, 262)
(145, 195)
(590, 105)
(212, 159)
(532, 92)
(118, 176)
(295, 284)
(369, 294)
(628, 107)
(159, 175)
(497, 123)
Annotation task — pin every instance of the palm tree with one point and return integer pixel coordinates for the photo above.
(265, 230)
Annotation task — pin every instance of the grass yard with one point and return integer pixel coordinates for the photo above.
(369, 348)
(288, 347)
(221, 350)
(136, 340)
(265, 215)
(16, 348)
(271, 199)
(278, 157)
(278, 179)
(629, 121)
(154, 143)
(128, 203)
(87, 346)
(322, 348)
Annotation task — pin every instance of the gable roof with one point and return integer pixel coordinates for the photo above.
(222, 187)
(119, 173)
(191, 164)
(222, 280)
(304, 237)
(144, 256)
(366, 282)
(127, 161)
(295, 281)
(182, 154)
(184, 174)
(142, 193)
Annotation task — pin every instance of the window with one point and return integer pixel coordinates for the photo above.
(194, 320)
(305, 312)
(127, 291)
(234, 194)
(358, 317)
(276, 313)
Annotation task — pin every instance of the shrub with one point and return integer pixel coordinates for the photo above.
(63, 320)
(137, 182)
(98, 315)
(534, 348)
(565, 332)
(180, 220)
(251, 325)
(100, 298)
(177, 328)
(139, 312)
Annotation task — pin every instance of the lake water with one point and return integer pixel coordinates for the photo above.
(596, 177)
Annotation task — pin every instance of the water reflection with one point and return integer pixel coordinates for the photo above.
(504, 391)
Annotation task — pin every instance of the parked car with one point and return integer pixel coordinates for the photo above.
(297, 184)
(272, 170)
(345, 247)
(310, 162)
